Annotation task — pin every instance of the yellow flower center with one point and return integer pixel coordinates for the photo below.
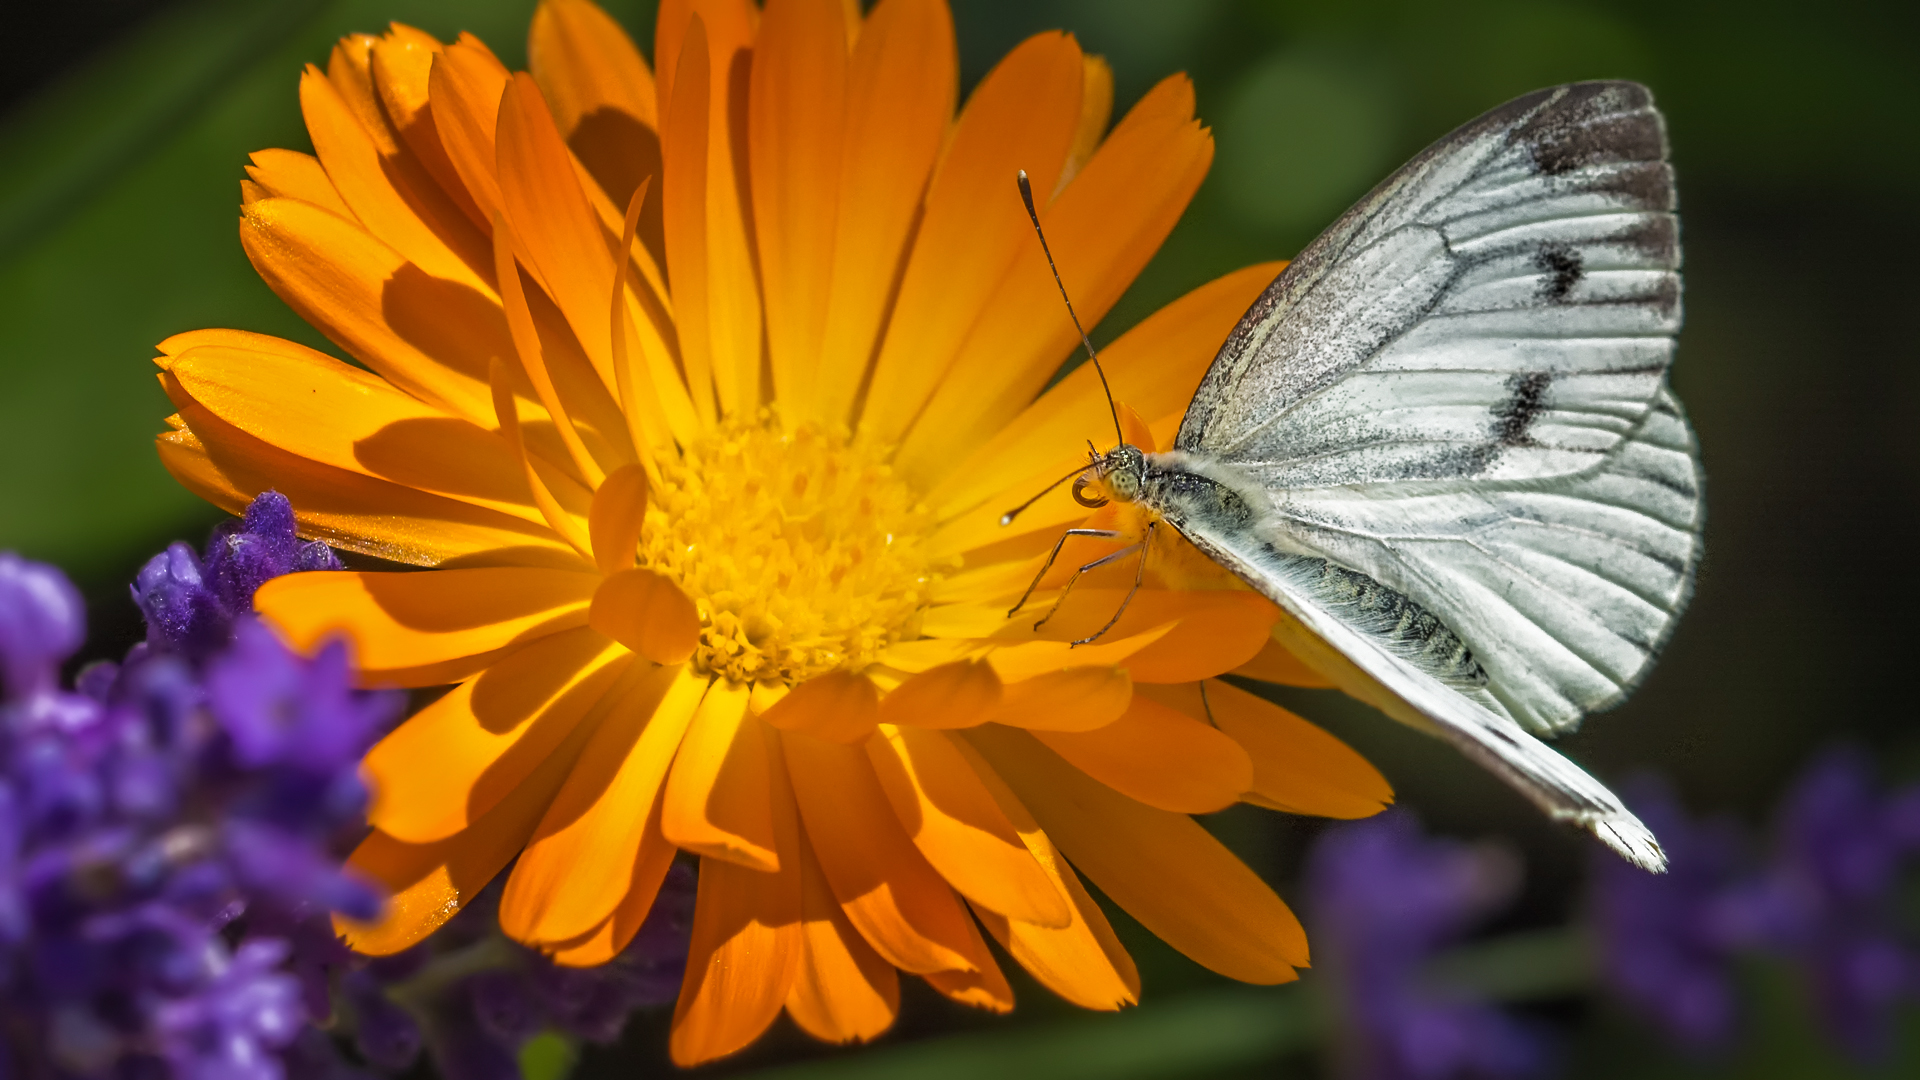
(801, 549)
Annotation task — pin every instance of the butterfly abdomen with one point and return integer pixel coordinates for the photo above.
(1405, 627)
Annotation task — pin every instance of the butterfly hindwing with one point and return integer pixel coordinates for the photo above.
(1564, 588)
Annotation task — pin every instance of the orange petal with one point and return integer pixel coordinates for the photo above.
(530, 354)
(717, 801)
(1103, 227)
(454, 760)
(958, 825)
(1275, 664)
(386, 185)
(889, 892)
(1155, 367)
(291, 174)
(1162, 867)
(402, 69)
(683, 196)
(579, 865)
(421, 629)
(842, 990)
(953, 695)
(228, 467)
(603, 100)
(309, 404)
(1021, 116)
(795, 123)
(983, 986)
(1161, 757)
(839, 706)
(1096, 110)
(1082, 961)
(1078, 699)
(585, 64)
(1034, 658)
(729, 23)
(901, 87)
(239, 339)
(552, 217)
(432, 337)
(647, 613)
(464, 89)
(429, 883)
(613, 934)
(732, 301)
(747, 940)
(1297, 766)
(553, 492)
(1216, 630)
(614, 523)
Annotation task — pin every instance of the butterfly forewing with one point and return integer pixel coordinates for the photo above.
(1503, 307)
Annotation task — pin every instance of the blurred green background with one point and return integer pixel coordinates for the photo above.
(124, 125)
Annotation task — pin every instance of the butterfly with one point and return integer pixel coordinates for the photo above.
(1442, 441)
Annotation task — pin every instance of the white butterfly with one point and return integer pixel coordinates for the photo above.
(1443, 443)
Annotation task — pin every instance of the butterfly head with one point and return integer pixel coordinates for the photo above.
(1122, 471)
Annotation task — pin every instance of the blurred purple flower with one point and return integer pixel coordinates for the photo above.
(153, 823)
(1823, 899)
(1667, 941)
(1384, 899)
(171, 835)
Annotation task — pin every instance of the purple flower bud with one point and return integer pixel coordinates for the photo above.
(42, 622)
(183, 614)
(242, 556)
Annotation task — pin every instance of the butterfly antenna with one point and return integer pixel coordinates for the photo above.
(1026, 196)
(1007, 518)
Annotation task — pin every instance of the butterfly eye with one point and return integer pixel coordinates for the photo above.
(1080, 494)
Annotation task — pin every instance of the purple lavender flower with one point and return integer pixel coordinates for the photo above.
(1829, 897)
(1667, 942)
(42, 622)
(171, 837)
(1385, 898)
(191, 603)
(155, 825)
(1823, 900)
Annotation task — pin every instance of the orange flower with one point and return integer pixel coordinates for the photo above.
(703, 391)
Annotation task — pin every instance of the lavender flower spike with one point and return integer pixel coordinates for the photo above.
(191, 603)
(1385, 898)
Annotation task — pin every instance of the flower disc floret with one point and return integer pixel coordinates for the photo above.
(802, 550)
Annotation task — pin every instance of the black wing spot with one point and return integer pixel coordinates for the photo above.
(1561, 270)
(1526, 400)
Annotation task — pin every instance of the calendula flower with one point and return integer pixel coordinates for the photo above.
(702, 390)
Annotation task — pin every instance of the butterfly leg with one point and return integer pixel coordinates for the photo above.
(1139, 575)
(1101, 534)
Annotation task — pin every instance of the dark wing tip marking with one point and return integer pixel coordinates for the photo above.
(1593, 123)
